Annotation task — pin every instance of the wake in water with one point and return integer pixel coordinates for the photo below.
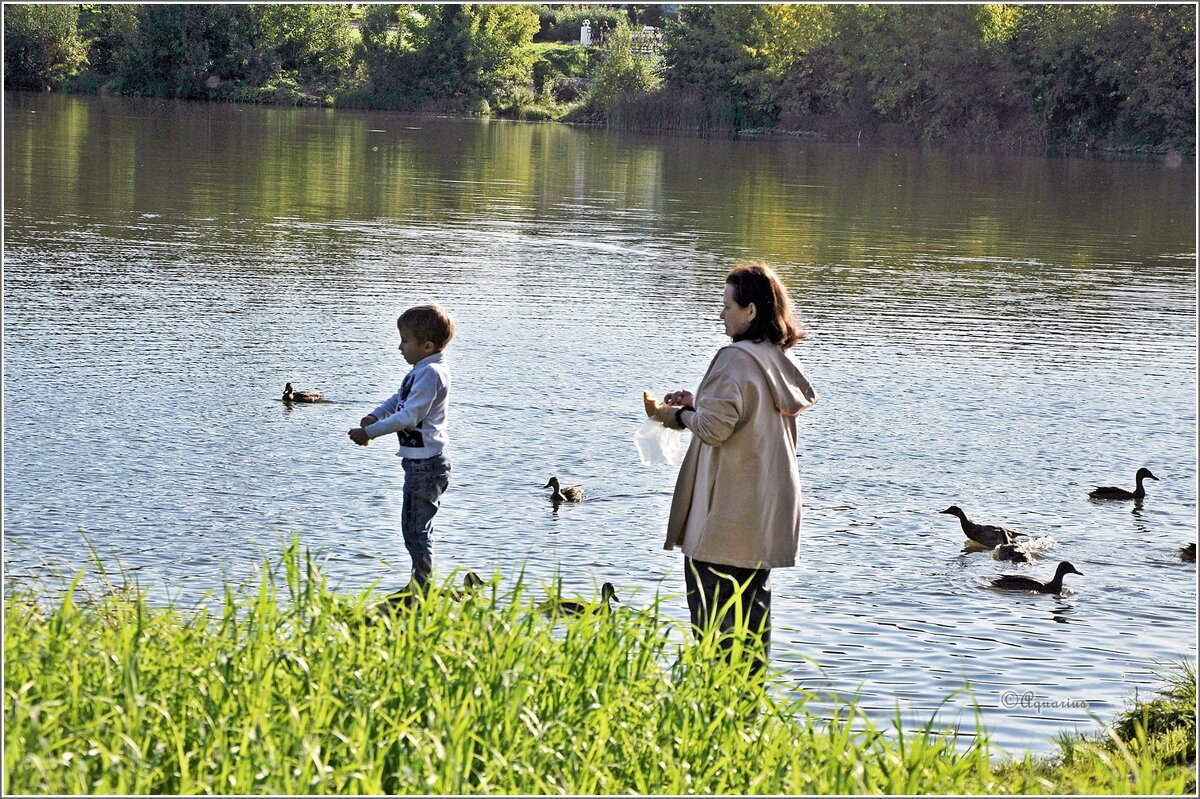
(1033, 547)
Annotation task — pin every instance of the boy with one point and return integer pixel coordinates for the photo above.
(417, 415)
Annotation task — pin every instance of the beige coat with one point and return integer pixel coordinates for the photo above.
(737, 498)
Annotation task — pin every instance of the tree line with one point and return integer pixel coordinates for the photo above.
(1117, 76)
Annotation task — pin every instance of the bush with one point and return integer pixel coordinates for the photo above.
(282, 89)
(567, 90)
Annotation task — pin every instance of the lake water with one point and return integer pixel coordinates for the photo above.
(994, 331)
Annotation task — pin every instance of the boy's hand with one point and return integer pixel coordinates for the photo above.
(369, 419)
(360, 437)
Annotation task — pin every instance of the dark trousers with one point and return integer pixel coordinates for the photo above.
(710, 586)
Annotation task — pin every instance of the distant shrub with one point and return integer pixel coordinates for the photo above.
(281, 89)
(519, 99)
(536, 113)
(568, 90)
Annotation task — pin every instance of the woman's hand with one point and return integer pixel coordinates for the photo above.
(680, 399)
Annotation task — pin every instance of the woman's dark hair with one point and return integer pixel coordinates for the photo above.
(774, 321)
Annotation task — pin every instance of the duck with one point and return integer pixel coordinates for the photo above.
(1188, 553)
(989, 535)
(576, 607)
(1012, 552)
(412, 593)
(471, 581)
(406, 597)
(291, 395)
(560, 494)
(1017, 582)
(1113, 492)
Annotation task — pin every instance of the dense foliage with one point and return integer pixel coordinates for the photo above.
(42, 46)
(1091, 75)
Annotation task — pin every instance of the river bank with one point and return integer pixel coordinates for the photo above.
(283, 685)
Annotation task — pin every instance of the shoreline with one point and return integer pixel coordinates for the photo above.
(580, 711)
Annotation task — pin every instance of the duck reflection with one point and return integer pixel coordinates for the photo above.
(1063, 610)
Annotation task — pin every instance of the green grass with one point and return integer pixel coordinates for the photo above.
(286, 686)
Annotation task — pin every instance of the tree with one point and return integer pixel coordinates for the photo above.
(312, 41)
(933, 69)
(480, 52)
(110, 31)
(1059, 52)
(1152, 61)
(42, 46)
(742, 53)
(622, 71)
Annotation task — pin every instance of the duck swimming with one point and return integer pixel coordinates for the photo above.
(291, 395)
(1188, 553)
(1012, 552)
(471, 581)
(416, 592)
(406, 597)
(576, 607)
(1017, 582)
(989, 535)
(560, 494)
(1113, 492)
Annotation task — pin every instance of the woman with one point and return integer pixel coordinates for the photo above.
(736, 508)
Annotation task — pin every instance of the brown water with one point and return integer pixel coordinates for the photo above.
(992, 331)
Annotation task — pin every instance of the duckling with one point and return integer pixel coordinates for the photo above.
(1012, 552)
(989, 535)
(1113, 492)
(291, 395)
(1017, 582)
(1188, 553)
(568, 494)
(576, 607)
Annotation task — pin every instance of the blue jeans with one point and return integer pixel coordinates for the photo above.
(425, 480)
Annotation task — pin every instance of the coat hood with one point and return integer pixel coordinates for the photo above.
(789, 387)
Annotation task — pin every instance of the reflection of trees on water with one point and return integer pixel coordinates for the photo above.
(790, 201)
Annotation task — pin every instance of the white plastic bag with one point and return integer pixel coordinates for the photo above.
(657, 445)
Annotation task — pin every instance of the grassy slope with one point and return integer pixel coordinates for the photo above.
(292, 688)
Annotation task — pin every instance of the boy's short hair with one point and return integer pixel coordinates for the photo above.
(428, 323)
